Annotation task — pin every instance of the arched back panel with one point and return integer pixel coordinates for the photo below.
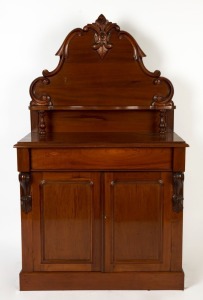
(100, 69)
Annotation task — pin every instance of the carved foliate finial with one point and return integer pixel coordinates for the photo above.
(101, 20)
(102, 28)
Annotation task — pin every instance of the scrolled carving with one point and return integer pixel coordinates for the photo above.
(102, 28)
(160, 100)
(40, 98)
(26, 199)
(178, 179)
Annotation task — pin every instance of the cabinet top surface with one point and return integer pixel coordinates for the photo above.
(102, 139)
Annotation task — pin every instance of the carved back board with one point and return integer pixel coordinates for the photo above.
(101, 74)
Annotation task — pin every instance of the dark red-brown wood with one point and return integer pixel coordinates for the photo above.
(101, 172)
(137, 236)
(102, 159)
(67, 236)
(95, 78)
(101, 281)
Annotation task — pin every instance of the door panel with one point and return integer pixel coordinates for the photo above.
(68, 220)
(67, 229)
(138, 221)
(137, 234)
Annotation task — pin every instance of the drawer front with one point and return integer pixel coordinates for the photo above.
(102, 159)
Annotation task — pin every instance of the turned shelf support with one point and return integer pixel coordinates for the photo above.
(42, 124)
(163, 123)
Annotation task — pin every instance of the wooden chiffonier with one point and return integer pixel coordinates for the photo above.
(102, 171)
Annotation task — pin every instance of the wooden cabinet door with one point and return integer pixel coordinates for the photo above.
(137, 221)
(66, 221)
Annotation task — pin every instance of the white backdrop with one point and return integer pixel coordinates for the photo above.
(170, 33)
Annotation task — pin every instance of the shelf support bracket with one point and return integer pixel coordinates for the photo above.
(42, 124)
(162, 124)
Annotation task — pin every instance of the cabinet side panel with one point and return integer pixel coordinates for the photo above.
(23, 159)
(177, 221)
(27, 245)
(23, 156)
(176, 245)
(179, 159)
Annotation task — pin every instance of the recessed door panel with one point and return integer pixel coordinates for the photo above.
(68, 218)
(137, 215)
(70, 237)
(136, 234)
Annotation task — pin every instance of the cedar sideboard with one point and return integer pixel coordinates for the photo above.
(102, 171)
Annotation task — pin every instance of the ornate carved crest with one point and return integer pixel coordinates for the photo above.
(102, 28)
(55, 89)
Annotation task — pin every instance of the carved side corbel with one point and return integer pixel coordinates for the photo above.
(178, 179)
(26, 199)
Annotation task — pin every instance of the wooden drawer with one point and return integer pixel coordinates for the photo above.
(102, 159)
